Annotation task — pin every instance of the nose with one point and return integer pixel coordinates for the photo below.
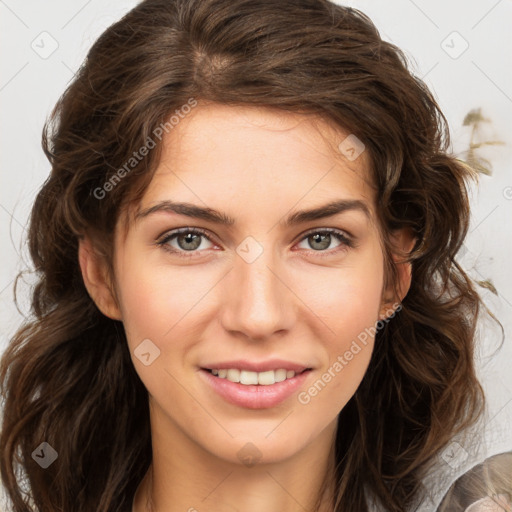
(257, 301)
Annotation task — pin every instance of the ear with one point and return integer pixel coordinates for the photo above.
(403, 241)
(95, 276)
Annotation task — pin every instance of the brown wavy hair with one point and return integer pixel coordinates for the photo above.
(67, 377)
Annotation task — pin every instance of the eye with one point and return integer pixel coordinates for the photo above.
(188, 242)
(320, 240)
(184, 240)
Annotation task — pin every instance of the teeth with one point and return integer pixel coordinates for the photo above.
(233, 375)
(280, 375)
(252, 378)
(248, 378)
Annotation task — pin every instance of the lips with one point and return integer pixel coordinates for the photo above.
(255, 385)
(262, 366)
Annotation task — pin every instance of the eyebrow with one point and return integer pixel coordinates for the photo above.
(302, 216)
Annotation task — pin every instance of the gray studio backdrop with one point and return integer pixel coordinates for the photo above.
(460, 48)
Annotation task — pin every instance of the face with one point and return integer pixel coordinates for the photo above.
(222, 276)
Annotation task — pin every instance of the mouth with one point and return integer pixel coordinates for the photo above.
(252, 378)
(255, 389)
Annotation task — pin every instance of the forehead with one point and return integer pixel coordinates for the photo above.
(257, 157)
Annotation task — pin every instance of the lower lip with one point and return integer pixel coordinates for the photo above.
(255, 396)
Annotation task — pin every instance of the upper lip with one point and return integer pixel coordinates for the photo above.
(261, 366)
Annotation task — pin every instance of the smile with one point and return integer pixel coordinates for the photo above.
(248, 378)
(254, 390)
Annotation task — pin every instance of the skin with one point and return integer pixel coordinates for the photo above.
(295, 301)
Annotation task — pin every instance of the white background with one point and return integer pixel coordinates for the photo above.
(479, 78)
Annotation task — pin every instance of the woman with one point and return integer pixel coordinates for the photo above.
(248, 296)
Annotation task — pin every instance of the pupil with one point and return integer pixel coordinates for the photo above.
(323, 239)
(190, 239)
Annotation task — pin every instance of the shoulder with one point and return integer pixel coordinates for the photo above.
(486, 487)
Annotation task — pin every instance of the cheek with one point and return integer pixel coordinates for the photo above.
(156, 302)
(349, 303)
(353, 314)
(163, 307)
(347, 299)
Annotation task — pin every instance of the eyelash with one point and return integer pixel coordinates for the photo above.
(346, 241)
